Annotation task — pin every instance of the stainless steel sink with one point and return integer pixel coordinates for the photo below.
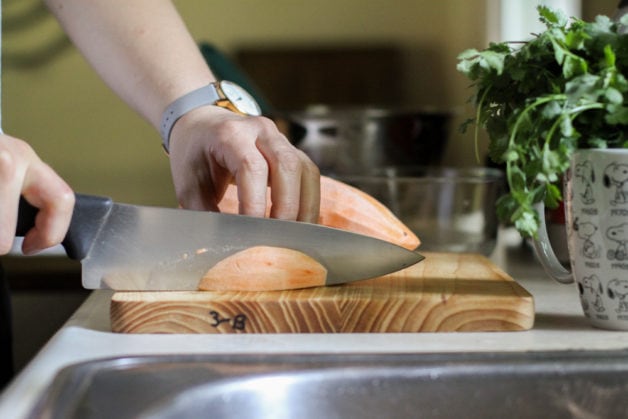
(514, 385)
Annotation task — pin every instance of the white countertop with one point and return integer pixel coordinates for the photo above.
(559, 325)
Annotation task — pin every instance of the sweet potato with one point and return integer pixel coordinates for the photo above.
(347, 208)
(264, 268)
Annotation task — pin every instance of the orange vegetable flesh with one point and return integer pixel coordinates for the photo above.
(347, 208)
(264, 268)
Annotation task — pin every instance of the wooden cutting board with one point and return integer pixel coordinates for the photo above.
(444, 293)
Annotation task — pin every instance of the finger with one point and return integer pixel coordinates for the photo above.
(205, 159)
(251, 177)
(45, 190)
(9, 199)
(309, 206)
(285, 171)
(285, 184)
(236, 151)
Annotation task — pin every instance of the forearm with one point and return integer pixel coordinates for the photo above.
(141, 48)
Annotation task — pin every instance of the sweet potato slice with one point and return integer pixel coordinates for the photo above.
(264, 268)
(347, 208)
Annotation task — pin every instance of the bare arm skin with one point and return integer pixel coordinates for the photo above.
(144, 52)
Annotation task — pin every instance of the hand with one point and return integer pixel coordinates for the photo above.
(211, 147)
(23, 173)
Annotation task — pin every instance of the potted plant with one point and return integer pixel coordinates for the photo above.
(542, 100)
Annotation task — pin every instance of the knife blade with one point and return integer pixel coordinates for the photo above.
(133, 248)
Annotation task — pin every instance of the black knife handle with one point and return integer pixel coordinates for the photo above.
(90, 212)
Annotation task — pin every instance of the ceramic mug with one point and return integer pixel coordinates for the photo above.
(596, 218)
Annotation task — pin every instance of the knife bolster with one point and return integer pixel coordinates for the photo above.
(90, 213)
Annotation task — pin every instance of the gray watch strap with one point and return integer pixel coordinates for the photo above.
(206, 95)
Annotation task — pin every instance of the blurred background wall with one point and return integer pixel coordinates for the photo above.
(52, 98)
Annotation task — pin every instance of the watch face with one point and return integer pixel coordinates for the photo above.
(240, 98)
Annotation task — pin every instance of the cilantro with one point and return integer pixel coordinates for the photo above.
(563, 90)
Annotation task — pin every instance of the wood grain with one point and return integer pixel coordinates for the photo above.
(444, 293)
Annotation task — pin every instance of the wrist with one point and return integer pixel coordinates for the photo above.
(224, 94)
(178, 108)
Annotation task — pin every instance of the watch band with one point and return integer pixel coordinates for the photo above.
(206, 95)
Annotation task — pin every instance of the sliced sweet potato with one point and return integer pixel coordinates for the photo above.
(347, 208)
(264, 268)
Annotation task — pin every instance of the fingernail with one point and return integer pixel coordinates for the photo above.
(29, 250)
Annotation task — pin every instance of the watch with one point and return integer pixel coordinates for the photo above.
(225, 94)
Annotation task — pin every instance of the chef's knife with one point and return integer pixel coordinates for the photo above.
(128, 247)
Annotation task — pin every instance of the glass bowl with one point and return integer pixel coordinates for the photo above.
(450, 209)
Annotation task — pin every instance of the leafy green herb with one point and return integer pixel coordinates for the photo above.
(563, 90)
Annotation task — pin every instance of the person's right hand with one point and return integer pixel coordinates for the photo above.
(23, 173)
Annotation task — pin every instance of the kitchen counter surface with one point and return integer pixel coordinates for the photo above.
(559, 326)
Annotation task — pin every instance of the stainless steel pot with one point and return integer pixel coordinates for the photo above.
(350, 140)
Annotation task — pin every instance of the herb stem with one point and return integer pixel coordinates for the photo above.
(513, 135)
(588, 107)
(572, 114)
(477, 121)
(524, 113)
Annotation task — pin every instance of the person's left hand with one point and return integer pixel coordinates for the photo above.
(212, 147)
